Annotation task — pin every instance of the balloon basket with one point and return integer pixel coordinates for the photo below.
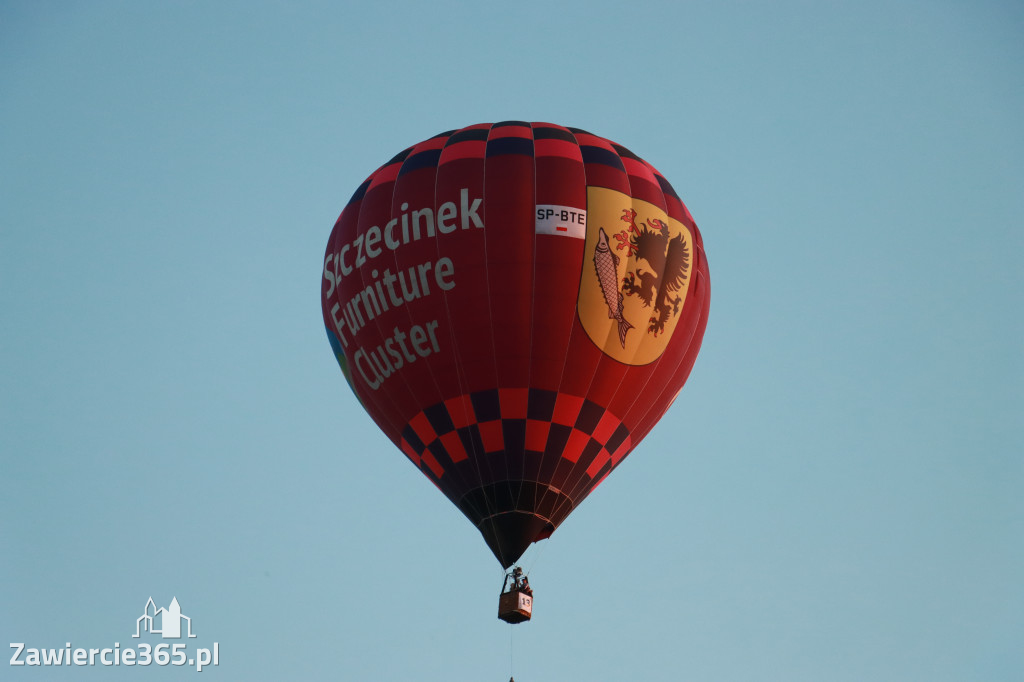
(515, 606)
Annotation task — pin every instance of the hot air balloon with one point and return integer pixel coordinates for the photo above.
(515, 305)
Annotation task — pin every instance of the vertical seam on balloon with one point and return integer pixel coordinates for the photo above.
(451, 333)
(601, 359)
(390, 417)
(490, 314)
(455, 472)
(460, 481)
(572, 324)
(396, 426)
(490, 317)
(643, 416)
(407, 316)
(583, 482)
(653, 370)
(475, 457)
(533, 306)
(399, 378)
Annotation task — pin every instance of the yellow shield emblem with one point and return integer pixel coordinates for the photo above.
(635, 280)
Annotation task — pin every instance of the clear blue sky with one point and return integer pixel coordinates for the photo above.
(836, 495)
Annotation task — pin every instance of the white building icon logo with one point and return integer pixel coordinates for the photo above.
(164, 622)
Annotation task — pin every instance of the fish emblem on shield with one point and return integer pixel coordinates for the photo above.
(606, 265)
(633, 288)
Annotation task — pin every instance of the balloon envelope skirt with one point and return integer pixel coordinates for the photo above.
(515, 305)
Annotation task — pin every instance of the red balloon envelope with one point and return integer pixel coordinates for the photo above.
(515, 305)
